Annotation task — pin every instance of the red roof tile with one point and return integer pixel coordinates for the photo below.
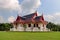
(29, 18)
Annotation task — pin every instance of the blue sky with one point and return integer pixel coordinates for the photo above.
(50, 9)
(50, 6)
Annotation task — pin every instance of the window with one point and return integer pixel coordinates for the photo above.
(29, 25)
(37, 25)
(34, 25)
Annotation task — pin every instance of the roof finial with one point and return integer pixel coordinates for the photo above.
(17, 14)
(42, 14)
(36, 11)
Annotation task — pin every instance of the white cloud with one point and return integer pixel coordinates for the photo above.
(1, 19)
(55, 18)
(26, 7)
(8, 7)
(49, 17)
(11, 19)
(29, 6)
(57, 14)
(9, 4)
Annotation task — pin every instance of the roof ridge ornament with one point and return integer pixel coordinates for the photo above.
(36, 11)
(42, 16)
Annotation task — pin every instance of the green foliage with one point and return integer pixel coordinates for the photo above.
(53, 27)
(5, 26)
(24, 27)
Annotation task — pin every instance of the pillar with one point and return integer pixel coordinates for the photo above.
(41, 26)
(14, 27)
(45, 29)
(28, 28)
(32, 25)
(36, 28)
(20, 27)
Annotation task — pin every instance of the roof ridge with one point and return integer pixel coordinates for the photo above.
(28, 14)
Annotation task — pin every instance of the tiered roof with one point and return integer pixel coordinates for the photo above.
(31, 18)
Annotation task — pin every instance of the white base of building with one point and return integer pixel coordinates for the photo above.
(20, 27)
(28, 29)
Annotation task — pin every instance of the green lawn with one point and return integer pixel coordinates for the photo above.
(29, 35)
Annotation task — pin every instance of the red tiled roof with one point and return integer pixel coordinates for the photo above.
(29, 18)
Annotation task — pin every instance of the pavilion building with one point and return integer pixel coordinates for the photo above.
(31, 22)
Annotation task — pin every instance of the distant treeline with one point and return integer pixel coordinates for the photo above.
(5, 26)
(50, 25)
(53, 27)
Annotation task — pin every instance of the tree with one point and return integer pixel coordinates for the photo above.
(5, 26)
(24, 27)
(50, 25)
(53, 27)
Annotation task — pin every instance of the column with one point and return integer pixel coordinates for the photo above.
(28, 28)
(20, 27)
(35, 28)
(14, 27)
(32, 26)
(45, 28)
(41, 26)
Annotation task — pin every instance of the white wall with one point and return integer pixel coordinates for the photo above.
(21, 28)
(14, 28)
(41, 26)
(36, 29)
(45, 29)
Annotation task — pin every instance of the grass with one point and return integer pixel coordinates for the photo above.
(29, 35)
